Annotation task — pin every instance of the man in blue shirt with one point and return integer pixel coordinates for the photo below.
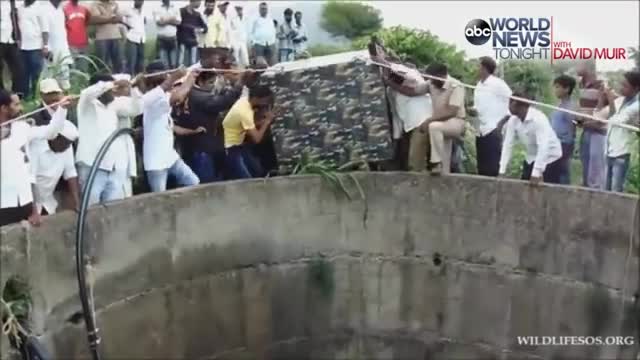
(563, 124)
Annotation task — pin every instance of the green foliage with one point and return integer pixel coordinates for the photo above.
(17, 296)
(321, 275)
(614, 78)
(350, 19)
(77, 78)
(633, 178)
(533, 77)
(327, 49)
(422, 48)
(330, 173)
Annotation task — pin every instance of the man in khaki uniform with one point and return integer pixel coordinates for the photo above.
(447, 121)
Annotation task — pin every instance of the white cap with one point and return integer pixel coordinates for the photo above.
(120, 77)
(69, 130)
(48, 86)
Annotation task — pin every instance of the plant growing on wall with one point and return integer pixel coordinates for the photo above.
(15, 307)
(330, 173)
(321, 276)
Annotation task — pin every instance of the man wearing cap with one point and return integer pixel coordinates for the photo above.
(160, 158)
(53, 158)
(98, 112)
(55, 161)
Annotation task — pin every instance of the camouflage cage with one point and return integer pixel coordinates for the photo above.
(333, 107)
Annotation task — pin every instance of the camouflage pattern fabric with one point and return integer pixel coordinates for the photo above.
(335, 111)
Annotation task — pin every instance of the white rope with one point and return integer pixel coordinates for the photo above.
(278, 69)
(31, 113)
(26, 116)
(11, 326)
(531, 102)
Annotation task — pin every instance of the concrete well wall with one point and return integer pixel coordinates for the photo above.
(422, 268)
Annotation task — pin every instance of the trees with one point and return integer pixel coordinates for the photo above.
(533, 77)
(350, 19)
(421, 48)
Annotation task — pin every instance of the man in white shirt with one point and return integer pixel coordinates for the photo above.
(56, 161)
(286, 34)
(491, 102)
(16, 176)
(167, 18)
(263, 36)
(239, 38)
(98, 112)
(160, 157)
(34, 44)
(126, 122)
(135, 22)
(411, 107)
(9, 51)
(300, 40)
(543, 150)
(60, 55)
(51, 158)
(620, 141)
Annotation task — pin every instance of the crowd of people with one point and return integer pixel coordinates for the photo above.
(198, 125)
(46, 35)
(215, 118)
(430, 116)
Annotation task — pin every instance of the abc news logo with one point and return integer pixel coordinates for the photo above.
(478, 31)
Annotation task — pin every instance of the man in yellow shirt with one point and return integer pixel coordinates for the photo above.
(240, 122)
(217, 35)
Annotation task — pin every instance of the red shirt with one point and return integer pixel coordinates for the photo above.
(76, 19)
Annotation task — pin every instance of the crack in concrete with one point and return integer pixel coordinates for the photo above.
(417, 259)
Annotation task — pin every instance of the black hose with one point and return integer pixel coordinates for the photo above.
(92, 330)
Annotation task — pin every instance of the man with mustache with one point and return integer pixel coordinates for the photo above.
(16, 176)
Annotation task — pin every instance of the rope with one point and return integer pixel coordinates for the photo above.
(531, 102)
(31, 113)
(11, 326)
(278, 69)
(26, 116)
